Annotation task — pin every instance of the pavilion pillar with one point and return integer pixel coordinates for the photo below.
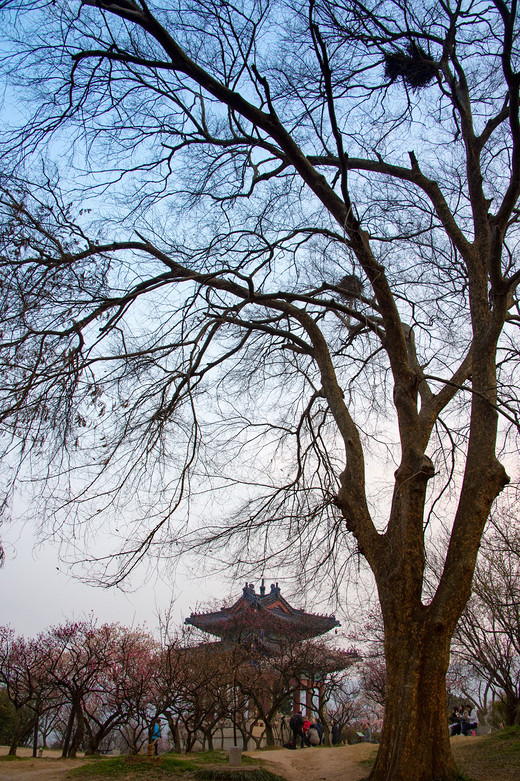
(296, 701)
(308, 699)
(321, 701)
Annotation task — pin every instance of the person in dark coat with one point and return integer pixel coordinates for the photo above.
(296, 724)
(454, 722)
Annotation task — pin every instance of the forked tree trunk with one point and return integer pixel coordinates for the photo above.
(415, 743)
(191, 737)
(208, 738)
(174, 729)
(78, 735)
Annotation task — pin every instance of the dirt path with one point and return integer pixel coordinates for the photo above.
(37, 769)
(321, 764)
(340, 763)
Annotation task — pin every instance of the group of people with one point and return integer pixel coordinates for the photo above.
(461, 721)
(305, 731)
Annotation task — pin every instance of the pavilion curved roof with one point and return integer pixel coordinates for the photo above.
(263, 615)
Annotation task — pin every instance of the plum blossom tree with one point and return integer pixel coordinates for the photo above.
(96, 669)
(26, 680)
(300, 261)
(127, 673)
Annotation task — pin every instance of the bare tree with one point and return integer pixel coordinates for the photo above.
(487, 637)
(297, 275)
(351, 711)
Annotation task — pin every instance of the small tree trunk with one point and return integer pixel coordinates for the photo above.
(174, 729)
(245, 738)
(94, 738)
(21, 729)
(35, 737)
(269, 733)
(415, 743)
(190, 740)
(68, 733)
(13, 747)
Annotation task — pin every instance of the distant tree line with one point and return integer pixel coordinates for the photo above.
(84, 687)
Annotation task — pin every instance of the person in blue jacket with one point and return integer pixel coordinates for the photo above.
(155, 737)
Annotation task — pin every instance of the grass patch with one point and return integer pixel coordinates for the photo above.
(495, 756)
(115, 767)
(165, 766)
(509, 734)
(121, 767)
(214, 758)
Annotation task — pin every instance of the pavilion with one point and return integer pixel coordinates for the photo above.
(265, 622)
(263, 619)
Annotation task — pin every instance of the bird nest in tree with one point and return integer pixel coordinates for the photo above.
(414, 66)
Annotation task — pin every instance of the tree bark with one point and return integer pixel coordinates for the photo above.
(415, 743)
(208, 738)
(191, 737)
(245, 738)
(94, 739)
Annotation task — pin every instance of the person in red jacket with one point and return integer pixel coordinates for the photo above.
(305, 729)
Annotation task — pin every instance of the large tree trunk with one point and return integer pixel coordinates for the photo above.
(415, 743)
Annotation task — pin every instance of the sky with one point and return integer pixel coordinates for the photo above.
(37, 591)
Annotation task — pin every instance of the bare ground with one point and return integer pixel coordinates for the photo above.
(341, 763)
(323, 764)
(48, 768)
